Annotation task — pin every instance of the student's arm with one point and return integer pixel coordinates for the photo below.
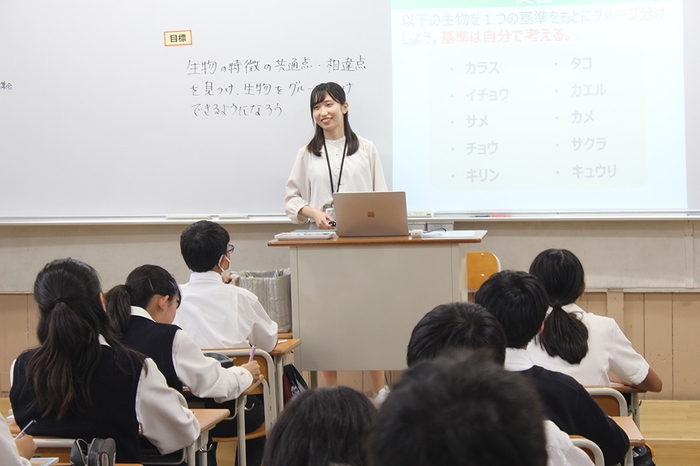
(652, 382)
(204, 376)
(263, 330)
(14, 453)
(629, 366)
(161, 412)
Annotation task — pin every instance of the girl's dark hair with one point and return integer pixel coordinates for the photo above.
(142, 284)
(561, 273)
(318, 95)
(70, 322)
(320, 427)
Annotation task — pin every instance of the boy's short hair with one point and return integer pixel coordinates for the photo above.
(460, 408)
(202, 244)
(456, 325)
(519, 302)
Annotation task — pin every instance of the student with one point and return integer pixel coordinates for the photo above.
(219, 315)
(81, 382)
(335, 159)
(461, 409)
(578, 343)
(143, 310)
(15, 452)
(213, 313)
(463, 325)
(322, 427)
(519, 302)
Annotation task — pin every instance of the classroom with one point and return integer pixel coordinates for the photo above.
(642, 264)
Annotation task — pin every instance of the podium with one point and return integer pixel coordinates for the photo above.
(355, 301)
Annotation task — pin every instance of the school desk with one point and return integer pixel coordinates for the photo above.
(355, 301)
(207, 418)
(627, 424)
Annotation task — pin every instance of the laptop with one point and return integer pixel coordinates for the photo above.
(371, 214)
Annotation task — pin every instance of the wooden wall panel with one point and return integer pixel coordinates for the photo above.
(658, 340)
(686, 350)
(14, 334)
(634, 320)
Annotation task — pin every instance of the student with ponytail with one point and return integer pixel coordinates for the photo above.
(142, 311)
(579, 343)
(82, 382)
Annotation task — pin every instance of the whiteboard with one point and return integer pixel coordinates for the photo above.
(477, 107)
(102, 119)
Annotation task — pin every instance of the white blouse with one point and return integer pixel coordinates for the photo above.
(202, 375)
(609, 350)
(309, 182)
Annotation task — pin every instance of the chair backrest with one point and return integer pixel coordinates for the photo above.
(612, 401)
(592, 450)
(480, 266)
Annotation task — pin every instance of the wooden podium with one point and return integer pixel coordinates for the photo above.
(355, 301)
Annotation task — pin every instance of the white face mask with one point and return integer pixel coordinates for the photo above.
(226, 270)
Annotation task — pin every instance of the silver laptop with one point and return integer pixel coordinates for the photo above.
(371, 214)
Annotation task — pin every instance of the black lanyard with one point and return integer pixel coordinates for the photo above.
(342, 162)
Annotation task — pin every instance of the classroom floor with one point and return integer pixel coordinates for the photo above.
(672, 429)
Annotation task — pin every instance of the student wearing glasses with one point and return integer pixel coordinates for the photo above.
(218, 314)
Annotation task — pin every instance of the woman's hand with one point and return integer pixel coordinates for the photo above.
(322, 219)
(254, 368)
(26, 446)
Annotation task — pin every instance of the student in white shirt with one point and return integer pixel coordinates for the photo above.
(578, 343)
(15, 452)
(218, 314)
(336, 159)
(213, 313)
(143, 310)
(82, 382)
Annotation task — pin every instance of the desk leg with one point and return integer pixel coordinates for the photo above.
(634, 401)
(279, 367)
(240, 416)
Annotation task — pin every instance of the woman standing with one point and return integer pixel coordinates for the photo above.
(336, 159)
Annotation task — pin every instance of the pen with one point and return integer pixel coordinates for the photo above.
(23, 432)
(252, 353)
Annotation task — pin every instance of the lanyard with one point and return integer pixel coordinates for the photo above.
(342, 162)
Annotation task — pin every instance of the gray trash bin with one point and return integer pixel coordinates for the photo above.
(274, 291)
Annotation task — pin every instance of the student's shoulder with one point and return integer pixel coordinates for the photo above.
(554, 381)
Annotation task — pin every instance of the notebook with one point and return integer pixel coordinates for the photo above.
(371, 214)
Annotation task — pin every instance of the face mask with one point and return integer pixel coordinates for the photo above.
(228, 268)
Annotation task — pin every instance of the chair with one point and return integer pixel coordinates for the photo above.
(590, 448)
(480, 266)
(612, 401)
(267, 388)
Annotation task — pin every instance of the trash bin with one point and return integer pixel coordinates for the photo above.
(274, 291)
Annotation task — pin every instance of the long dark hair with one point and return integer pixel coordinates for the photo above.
(561, 273)
(71, 320)
(318, 95)
(142, 284)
